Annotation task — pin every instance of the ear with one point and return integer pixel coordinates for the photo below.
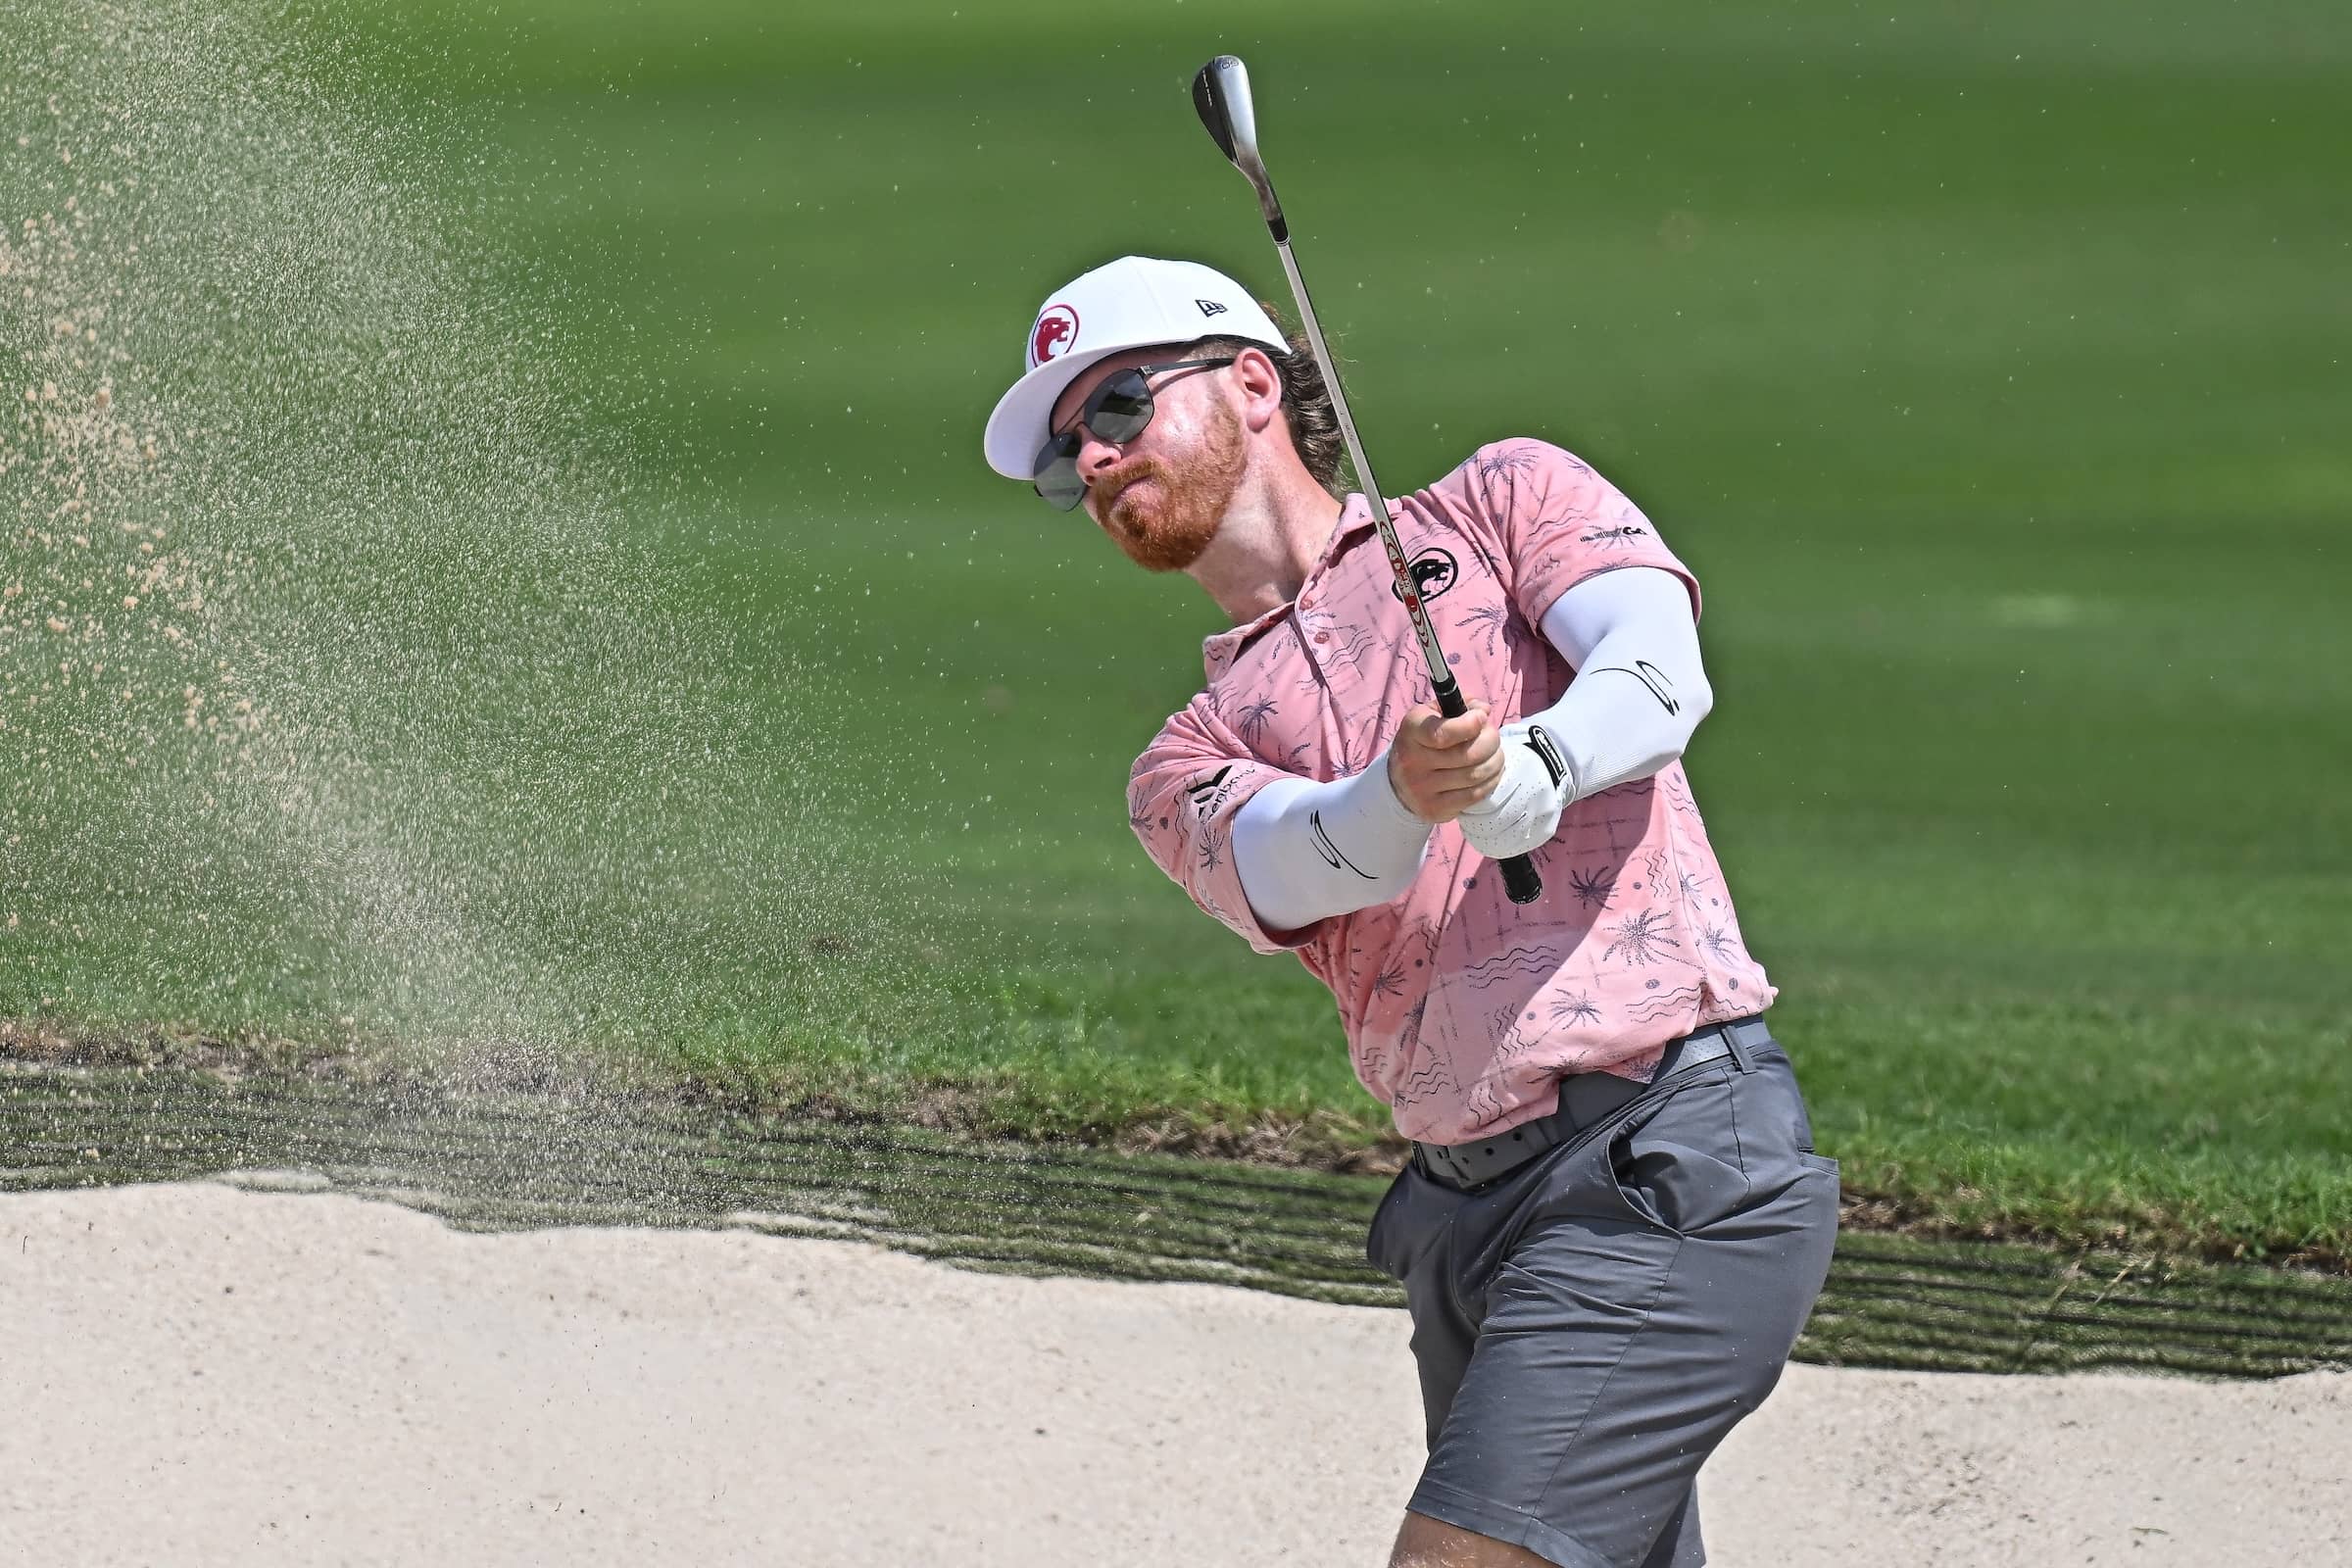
(1261, 385)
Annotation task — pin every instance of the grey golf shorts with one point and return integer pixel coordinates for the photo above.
(1590, 1326)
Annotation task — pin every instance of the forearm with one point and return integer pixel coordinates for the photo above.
(1639, 689)
(1307, 850)
(1637, 692)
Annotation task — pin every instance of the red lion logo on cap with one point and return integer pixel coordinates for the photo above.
(1055, 331)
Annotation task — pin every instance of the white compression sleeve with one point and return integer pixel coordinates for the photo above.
(1639, 689)
(1307, 850)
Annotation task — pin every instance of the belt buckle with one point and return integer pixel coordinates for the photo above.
(1456, 1170)
(1437, 1162)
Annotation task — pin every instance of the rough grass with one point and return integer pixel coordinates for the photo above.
(2072, 1195)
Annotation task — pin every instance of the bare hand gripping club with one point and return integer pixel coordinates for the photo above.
(1221, 93)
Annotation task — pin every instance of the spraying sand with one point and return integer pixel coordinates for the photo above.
(352, 681)
(202, 1375)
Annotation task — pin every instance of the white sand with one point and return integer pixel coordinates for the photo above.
(194, 1373)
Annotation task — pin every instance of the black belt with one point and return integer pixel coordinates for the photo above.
(1585, 1099)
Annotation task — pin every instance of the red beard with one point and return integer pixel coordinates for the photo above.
(1164, 524)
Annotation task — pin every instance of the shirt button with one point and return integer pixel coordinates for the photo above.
(1322, 636)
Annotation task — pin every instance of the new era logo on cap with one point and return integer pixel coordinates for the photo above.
(1209, 306)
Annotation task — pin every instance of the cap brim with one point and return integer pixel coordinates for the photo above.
(1018, 427)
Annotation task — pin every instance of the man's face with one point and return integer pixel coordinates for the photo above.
(1162, 496)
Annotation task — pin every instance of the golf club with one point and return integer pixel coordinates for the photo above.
(1221, 94)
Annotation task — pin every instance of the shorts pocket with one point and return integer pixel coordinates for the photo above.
(1680, 1167)
(1412, 1215)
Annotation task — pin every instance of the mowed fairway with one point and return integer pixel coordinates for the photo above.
(1988, 366)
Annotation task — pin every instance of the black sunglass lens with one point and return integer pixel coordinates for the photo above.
(1058, 479)
(1121, 407)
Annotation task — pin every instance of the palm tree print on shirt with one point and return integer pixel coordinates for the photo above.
(1507, 462)
(1591, 888)
(1643, 938)
(1495, 620)
(1575, 1008)
(1250, 724)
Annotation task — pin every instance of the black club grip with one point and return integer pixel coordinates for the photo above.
(1521, 881)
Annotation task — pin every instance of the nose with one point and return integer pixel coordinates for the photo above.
(1095, 458)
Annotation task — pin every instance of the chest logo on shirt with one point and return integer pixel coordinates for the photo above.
(1434, 572)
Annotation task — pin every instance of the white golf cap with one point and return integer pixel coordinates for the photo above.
(1132, 303)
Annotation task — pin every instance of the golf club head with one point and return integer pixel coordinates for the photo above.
(1221, 95)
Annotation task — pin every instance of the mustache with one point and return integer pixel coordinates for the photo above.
(1115, 481)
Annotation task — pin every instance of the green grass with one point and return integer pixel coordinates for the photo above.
(1990, 371)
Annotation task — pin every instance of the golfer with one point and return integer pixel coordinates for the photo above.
(1613, 1224)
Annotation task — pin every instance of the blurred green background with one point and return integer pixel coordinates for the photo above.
(1986, 361)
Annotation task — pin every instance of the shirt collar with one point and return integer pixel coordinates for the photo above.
(1219, 651)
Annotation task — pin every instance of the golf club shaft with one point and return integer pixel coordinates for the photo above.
(1221, 95)
(1442, 686)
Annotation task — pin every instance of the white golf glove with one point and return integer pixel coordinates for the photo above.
(1524, 812)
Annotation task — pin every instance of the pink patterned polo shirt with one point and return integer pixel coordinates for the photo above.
(1462, 1010)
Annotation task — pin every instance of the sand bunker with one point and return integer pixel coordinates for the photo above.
(197, 1374)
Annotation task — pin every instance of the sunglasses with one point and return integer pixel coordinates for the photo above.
(1115, 412)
